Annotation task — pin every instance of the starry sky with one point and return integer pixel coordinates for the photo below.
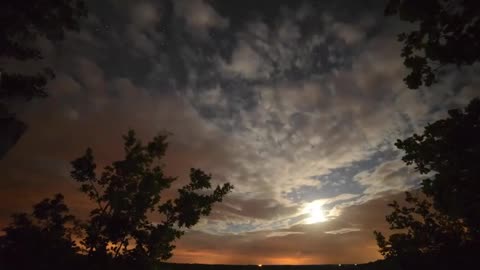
(296, 103)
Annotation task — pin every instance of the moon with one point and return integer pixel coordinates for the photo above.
(315, 213)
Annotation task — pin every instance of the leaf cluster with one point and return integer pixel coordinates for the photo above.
(134, 221)
(448, 151)
(446, 32)
(23, 24)
(45, 237)
(422, 230)
(129, 191)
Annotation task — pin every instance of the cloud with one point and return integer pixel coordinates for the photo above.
(95, 115)
(247, 63)
(348, 33)
(200, 17)
(343, 230)
(347, 239)
(144, 14)
(390, 176)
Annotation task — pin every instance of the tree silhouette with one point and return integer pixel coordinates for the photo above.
(442, 231)
(23, 23)
(131, 224)
(426, 238)
(41, 240)
(449, 151)
(128, 192)
(447, 32)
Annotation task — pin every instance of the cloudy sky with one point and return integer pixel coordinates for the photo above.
(296, 103)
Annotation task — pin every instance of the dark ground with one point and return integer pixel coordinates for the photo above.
(381, 265)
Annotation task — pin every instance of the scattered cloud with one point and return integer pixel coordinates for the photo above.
(200, 17)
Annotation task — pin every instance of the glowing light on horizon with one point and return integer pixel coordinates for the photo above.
(315, 213)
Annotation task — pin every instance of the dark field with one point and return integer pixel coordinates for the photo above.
(369, 266)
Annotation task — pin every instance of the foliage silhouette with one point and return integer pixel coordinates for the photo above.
(23, 24)
(128, 191)
(120, 231)
(449, 151)
(447, 32)
(40, 240)
(427, 239)
(442, 231)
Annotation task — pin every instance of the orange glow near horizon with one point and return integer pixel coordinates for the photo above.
(211, 257)
(206, 257)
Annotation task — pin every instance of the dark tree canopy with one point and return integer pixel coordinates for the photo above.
(446, 32)
(43, 239)
(132, 224)
(129, 191)
(425, 238)
(23, 22)
(449, 151)
(443, 230)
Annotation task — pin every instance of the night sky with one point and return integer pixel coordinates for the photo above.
(296, 103)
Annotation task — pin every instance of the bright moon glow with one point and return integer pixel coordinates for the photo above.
(315, 213)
